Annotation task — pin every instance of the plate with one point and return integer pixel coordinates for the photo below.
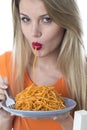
(70, 104)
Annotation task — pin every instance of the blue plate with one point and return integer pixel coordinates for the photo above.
(70, 104)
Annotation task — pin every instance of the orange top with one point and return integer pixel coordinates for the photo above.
(27, 123)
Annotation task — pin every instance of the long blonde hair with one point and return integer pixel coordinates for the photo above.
(70, 59)
(21, 49)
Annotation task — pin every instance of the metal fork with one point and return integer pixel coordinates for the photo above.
(9, 101)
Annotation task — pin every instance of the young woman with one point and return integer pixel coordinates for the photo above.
(52, 28)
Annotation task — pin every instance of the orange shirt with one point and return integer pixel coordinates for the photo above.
(27, 123)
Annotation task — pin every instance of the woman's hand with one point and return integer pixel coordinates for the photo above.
(67, 123)
(2, 95)
(65, 120)
(5, 118)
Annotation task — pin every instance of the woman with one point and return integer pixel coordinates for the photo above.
(51, 30)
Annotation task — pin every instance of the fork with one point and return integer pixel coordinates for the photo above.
(10, 102)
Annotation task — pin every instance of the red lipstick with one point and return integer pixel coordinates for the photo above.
(36, 45)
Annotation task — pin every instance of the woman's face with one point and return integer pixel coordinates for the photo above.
(42, 33)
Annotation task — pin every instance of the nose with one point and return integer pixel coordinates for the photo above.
(36, 30)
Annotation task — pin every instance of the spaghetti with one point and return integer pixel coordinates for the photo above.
(37, 98)
(34, 63)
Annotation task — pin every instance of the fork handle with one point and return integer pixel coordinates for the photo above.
(6, 93)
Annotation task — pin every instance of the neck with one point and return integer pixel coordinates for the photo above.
(46, 67)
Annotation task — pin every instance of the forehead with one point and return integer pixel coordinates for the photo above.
(32, 6)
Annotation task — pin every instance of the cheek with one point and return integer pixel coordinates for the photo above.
(25, 32)
(55, 36)
(60, 35)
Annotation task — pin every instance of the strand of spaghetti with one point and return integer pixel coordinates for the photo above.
(34, 63)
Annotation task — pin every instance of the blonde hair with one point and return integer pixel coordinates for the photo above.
(21, 49)
(70, 59)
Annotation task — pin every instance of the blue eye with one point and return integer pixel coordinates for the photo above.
(25, 19)
(47, 20)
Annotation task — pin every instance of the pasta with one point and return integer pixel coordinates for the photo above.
(37, 98)
(34, 68)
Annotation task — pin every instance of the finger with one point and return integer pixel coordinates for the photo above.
(5, 80)
(1, 91)
(0, 105)
(67, 124)
(2, 97)
(61, 116)
(3, 83)
(11, 114)
(3, 86)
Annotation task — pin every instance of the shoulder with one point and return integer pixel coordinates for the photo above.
(5, 63)
(5, 55)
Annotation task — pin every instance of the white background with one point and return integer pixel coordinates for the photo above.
(6, 29)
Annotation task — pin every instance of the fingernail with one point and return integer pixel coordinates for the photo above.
(6, 80)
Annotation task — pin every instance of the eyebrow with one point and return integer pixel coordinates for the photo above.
(23, 14)
(28, 16)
